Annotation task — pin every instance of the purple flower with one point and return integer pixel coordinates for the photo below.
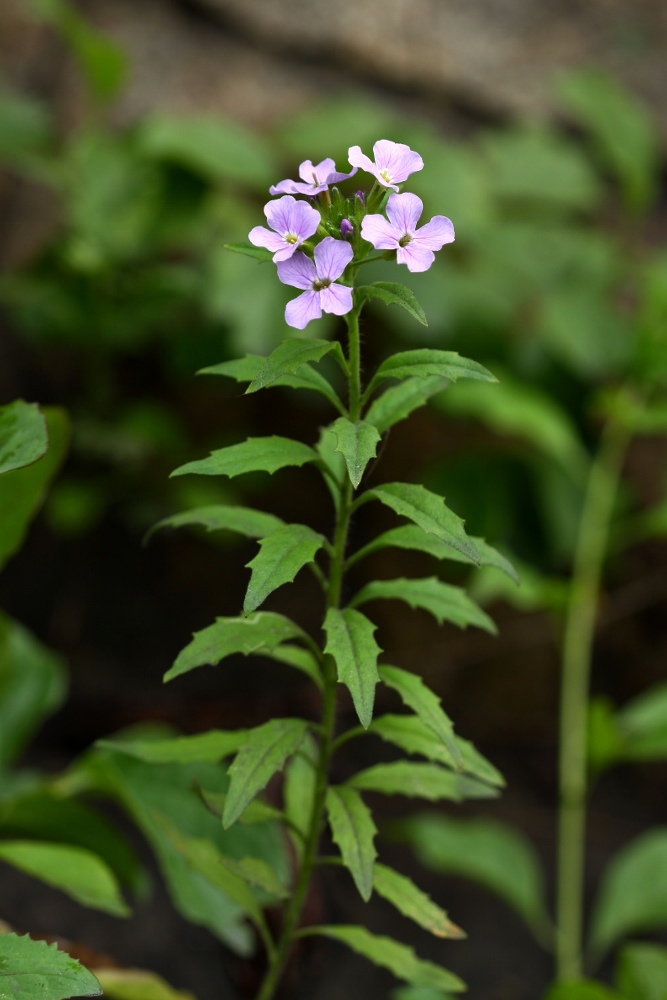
(413, 246)
(346, 228)
(315, 179)
(394, 162)
(292, 221)
(317, 279)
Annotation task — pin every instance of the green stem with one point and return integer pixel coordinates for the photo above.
(578, 639)
(278, 957)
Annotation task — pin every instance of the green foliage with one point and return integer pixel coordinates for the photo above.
(281, 555)
(414, 904)
(357, 443)
(253, 455)
(244, 520)
(290, 356)
(423, 781)
(350, 640)
(353, 830)
(641, 972)
(426, 706)
(211, 746)
(32, 969)
(444, 602)
(584, 989)
(248, 368)
(425, 363)
(393, 294)
(23, 435)
(137, 984)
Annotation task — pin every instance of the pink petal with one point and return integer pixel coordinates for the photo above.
(336, 177)
(300, 311)
(404, 211)
(376, 230)
(416, 257)
(397, 159)
(336, 299)
(332, 257)
(277, 213)
(262, 237)
(435, 233)
(318, 174)
(299, 271)
(360, 160)
(283, 187)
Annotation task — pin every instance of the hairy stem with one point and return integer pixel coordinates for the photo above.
(576, 665)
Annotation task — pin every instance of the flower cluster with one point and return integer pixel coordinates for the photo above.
(343, 228)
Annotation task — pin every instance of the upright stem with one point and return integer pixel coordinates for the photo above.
(336, 572)
(577, 652)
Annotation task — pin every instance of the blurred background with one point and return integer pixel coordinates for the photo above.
(135, 140)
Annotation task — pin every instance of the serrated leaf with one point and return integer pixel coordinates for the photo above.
(633, 893)
(256, 872)
(393, 294)
(250, 250)
(398, 402)
(137, 984)
(264, 752)
(428, 511)
(425, 704)
(353, 829)
(267, 454)
(392, 955)
(350, 641)
(477, 765)
(244, 520)
(414, 904)
(641, 972)
(409, 536)
(213, 745)
(299, 790)
(289, 357)
(445, 602)
(35, 970)
(426, 362)
(23, 435)
(281, 555)
(357, 443)
(488, 852)
(301, 659)
(258, 634)
(78, 872)
(247, 368)
(423, 781)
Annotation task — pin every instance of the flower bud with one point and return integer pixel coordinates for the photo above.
(346, 229)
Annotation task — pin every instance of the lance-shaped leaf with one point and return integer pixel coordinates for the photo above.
(267, 454)
(393, 294)
(257, 811)
(281, 555)
(258, 873)
(409, 536)
(259, 633)
(398, 402)
(76, 871)
(445, 602)
(290, 356)
(35, 970)
(243, 520)
(249, 250)
(264, 752)
(392, 955)
(427, 362)
(332, 464)
(137, 984)
(23, 435)
(425, 704)
(414, 904)
(248, 368)
(357, 443)
(350, 641)
(211, 746)
(422, 781)
(301, 659)
(428, 511)
(353, 829)
(299, 791)
(642, 971)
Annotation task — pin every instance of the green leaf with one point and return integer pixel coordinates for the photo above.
(409, 536)
(414, 904)
(428, 511)
(425, 704)
(249, 250)
(641, 972)
(445, 602)
(488, 852)
(23, 435)
(427, 362)
(583, 989)
(353, 829)
(281, 555)
(256, 812)
(350, 641)
(259, 634)
(633, 893)
(244, 520)
(265, 750)
(266, 454)
(290, 356)
(332, 464)
(299, 791)
(301, 659)
(22, 491)
(398, 402)
(213, 745)
(423, 781)
(32, 686)
(35, 970)
(642, 725)
(392, 294)
(246, 369)
(137, 984)
(357, 443)
(256, 872)
(25, 127)
(418, 993)
(392, 955)
(78, 872)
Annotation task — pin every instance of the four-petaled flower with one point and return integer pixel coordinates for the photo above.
(413, 246)
(321, 294)
(292, 221)
(314, 179)
(394, 162)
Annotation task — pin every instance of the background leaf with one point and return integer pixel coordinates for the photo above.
(350, 641)
(353, 829)
(23, 435)
(264, 751)
(641, 971)
(35, 969)
(137, 984)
